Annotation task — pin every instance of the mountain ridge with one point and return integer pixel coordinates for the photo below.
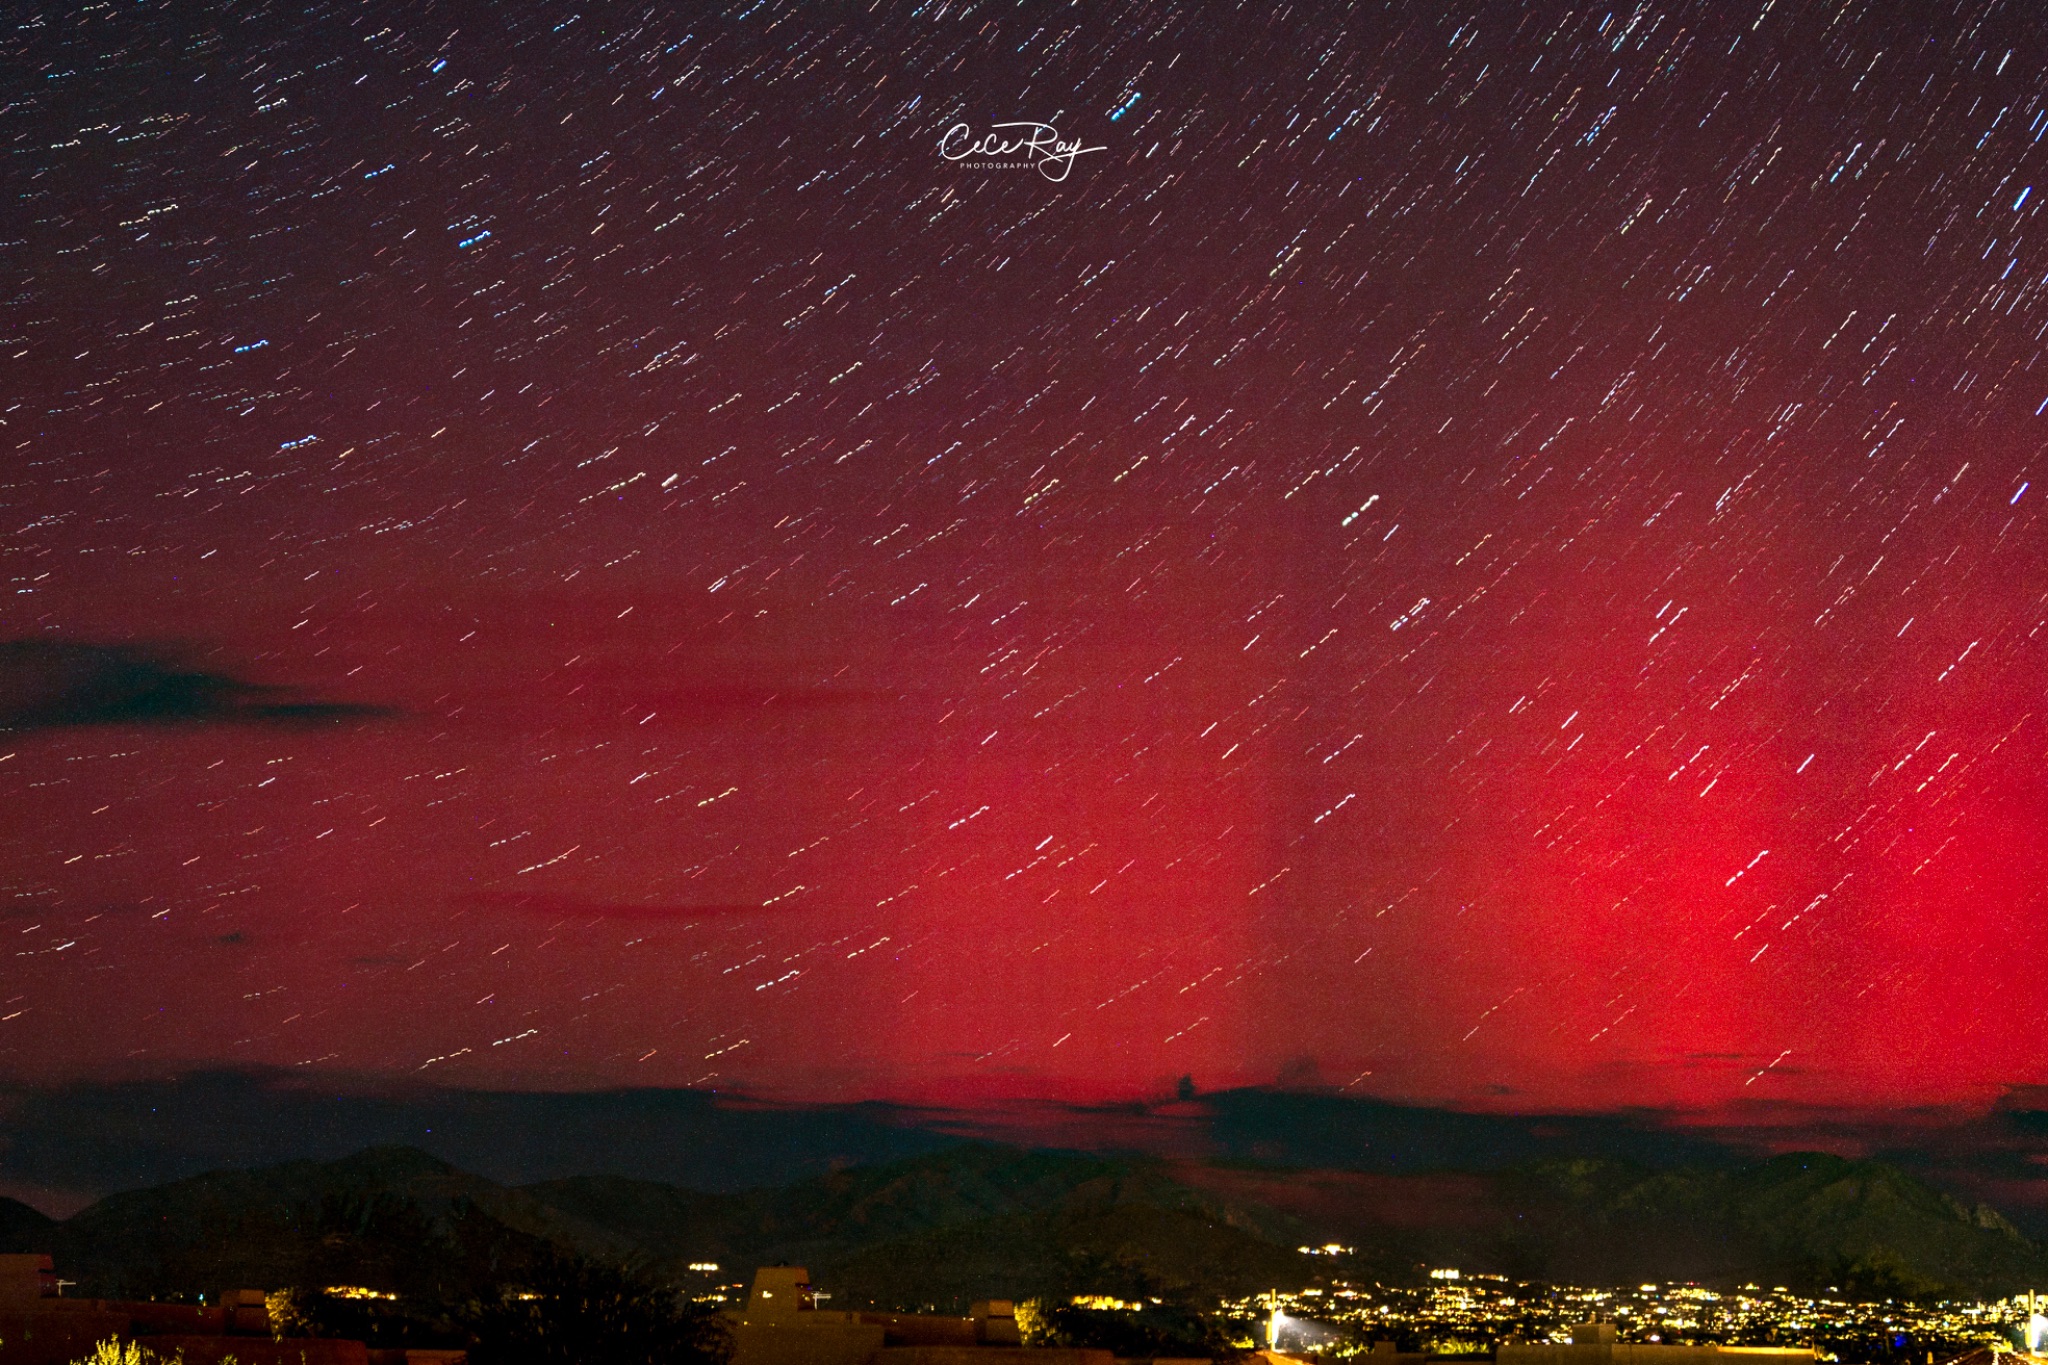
(981, 1218)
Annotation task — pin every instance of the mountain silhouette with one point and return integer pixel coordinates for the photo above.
(978, 1219)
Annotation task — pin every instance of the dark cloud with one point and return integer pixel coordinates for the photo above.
(105, 1136)
(61, 1145)
(58, 684)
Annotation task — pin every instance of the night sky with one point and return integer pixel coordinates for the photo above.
(1481, 555)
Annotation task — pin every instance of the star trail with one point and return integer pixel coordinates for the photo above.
(1483, 554)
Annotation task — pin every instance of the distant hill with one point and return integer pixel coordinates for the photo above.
(829, 1215)
(977, 1219)
(267, 1227)
(19, 1222)
(957, 1225)
(1131, 1251)
(1806, 1219)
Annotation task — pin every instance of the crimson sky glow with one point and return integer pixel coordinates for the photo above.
(1482, 554)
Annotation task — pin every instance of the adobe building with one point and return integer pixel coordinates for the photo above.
(783, 1325)
(38, 1327)
(1593, 1343)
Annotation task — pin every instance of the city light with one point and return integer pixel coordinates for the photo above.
(1480, 1312)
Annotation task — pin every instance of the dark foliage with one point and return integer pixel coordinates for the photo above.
(380, 1323)
(572, 1310)
(1154, 1330)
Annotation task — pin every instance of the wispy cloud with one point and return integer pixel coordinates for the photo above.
(59, 684)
